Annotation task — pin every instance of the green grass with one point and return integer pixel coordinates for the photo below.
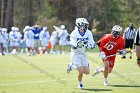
(47, 74)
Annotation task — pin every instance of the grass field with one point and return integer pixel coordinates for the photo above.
(47, 74)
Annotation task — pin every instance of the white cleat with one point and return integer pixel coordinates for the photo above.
(96, 71)
(105, 83)
(80, 86)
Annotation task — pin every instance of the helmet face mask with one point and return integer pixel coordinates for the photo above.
(115, 34)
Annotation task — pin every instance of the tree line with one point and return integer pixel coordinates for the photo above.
(101, 14)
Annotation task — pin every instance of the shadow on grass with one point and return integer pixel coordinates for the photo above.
(124, 85)
(97, 90)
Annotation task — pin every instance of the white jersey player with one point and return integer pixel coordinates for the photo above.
(5, 44)
(29, 39)
(14, 38)
(1, 42)
(81, 38)
(63, 34)
(44, 38)
(53, 40)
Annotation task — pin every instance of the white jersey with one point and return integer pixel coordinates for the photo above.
(87, 38)
(63, 37)
(29, 38)
(19, 35)
(13, 35)
(54, 37)
(44, 37)
(29, 35)
(6, 39)
(2, 38)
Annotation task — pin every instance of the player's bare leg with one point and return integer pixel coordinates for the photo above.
(105, 72)
(138, 54)
(86, 70)
(80, 75)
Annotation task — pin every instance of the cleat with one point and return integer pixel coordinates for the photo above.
(123, 57)
(69, 68)
(105, 83)
(80, 86)
(96, 71)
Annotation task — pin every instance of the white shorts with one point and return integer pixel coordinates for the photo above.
(30, 43)
(5, 44)
(79, 60)
(14, 43)
(62, 42)
(44, 43)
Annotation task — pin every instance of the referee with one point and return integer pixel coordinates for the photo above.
(129, 36)
(137, 45)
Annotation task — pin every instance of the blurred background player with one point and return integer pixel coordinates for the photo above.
(54, 41)
(13, 36)
(36, 30)
(5, 44)
(63, 34)
(108, 45)
(44, 38)
(81, 38)
(137, 44)
(29, 39)
(2, 38)
(129, 35)
(19, 35)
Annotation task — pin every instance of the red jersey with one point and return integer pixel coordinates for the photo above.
(110, 45)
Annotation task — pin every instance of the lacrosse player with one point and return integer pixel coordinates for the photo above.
(108, 45)
(62, 38)
(14, 38)
(2, 38)
(36, 30)
(44, 38)
(137, 44)
(29, 39)
(54, 41)
(5, 44)
(81, 38)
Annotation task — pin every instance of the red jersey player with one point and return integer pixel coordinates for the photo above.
(109, 45)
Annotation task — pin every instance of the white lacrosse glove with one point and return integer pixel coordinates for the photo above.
(121, 52)
(79, 43)
(90, 46)
(102, 55)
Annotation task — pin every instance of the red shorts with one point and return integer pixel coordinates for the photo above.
(111, 61)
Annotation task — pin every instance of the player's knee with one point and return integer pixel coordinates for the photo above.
(80, 71)
(106, 68)
(109, 71)
(87, 72)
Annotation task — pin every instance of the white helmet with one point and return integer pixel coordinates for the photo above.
(116, 31)
(26, 28)
(4, 29)
(13, 28)
(45, 28)
(117, 28)
(16, 29)
(62, 27)
(81, 22)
